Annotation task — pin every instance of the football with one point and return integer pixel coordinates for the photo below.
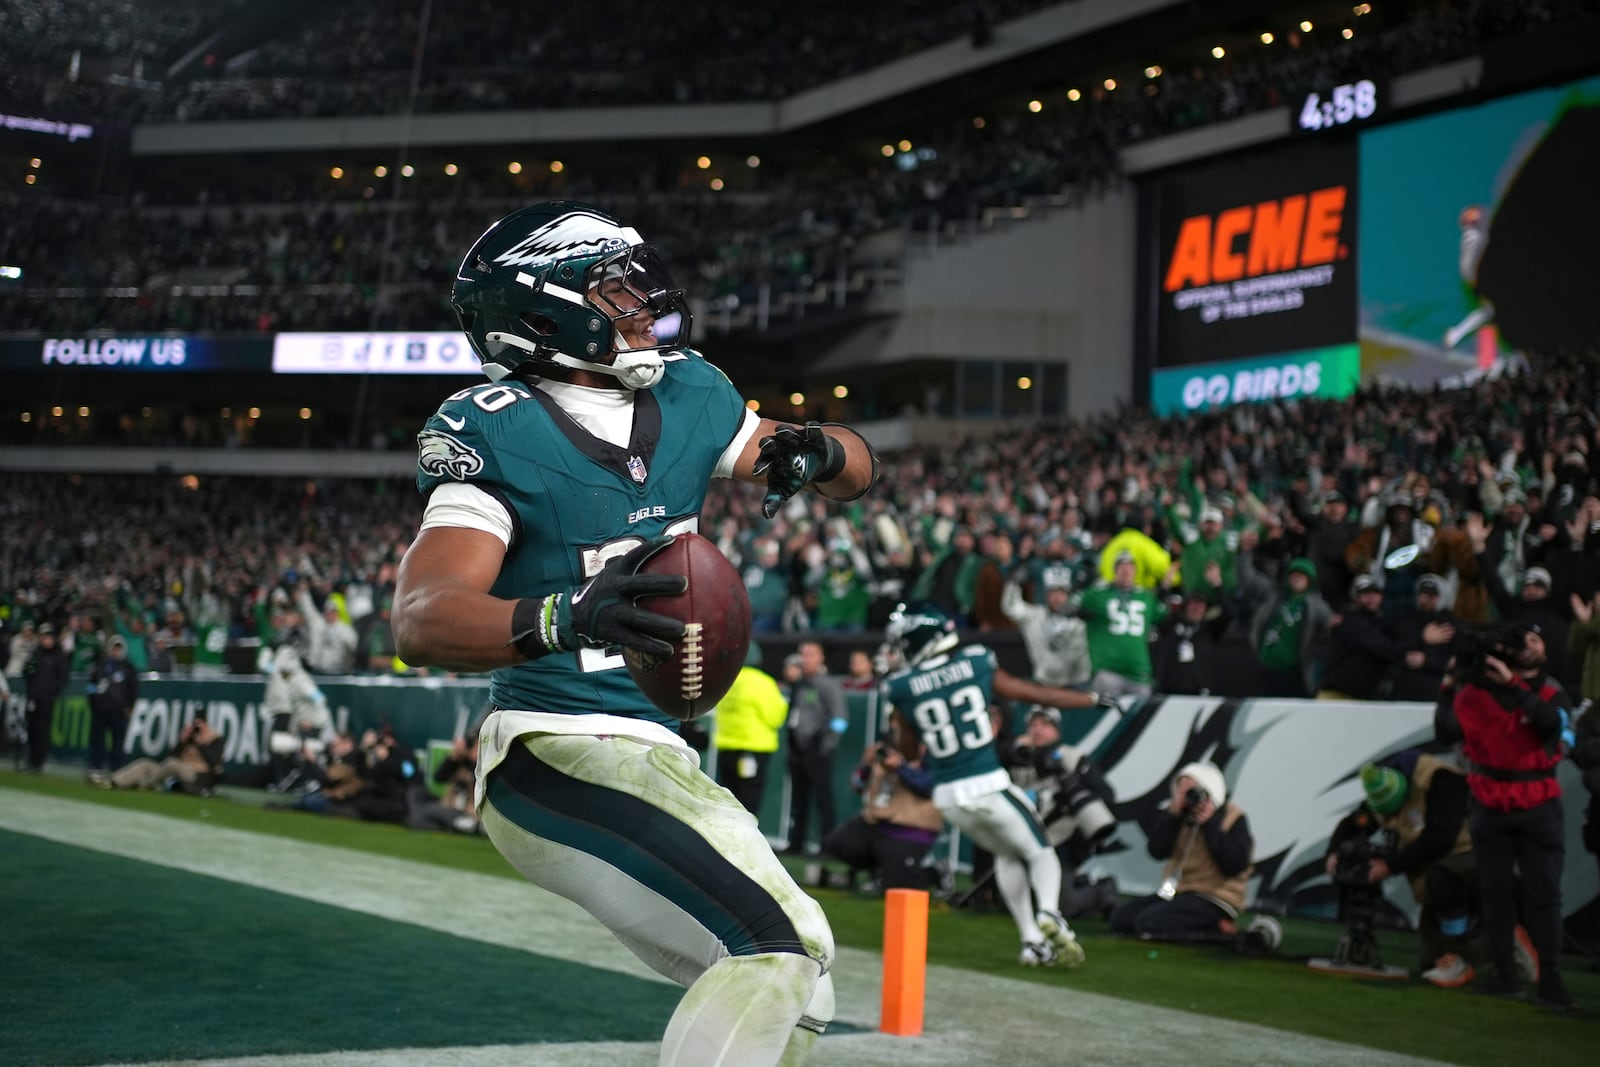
(715, 612)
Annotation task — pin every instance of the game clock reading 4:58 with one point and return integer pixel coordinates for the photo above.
(1344, 105)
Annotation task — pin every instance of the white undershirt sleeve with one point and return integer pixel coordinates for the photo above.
(462, 505)
(730, 456)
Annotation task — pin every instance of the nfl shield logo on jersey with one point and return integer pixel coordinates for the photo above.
(636, 468)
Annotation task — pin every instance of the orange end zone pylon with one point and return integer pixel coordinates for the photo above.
(905, 960)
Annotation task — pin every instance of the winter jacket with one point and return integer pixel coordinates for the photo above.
(1360, 651)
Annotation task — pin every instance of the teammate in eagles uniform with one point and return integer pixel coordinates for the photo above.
(546, 489)
(941, 695)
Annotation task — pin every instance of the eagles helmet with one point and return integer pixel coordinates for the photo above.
(918, 631)
(548, 285)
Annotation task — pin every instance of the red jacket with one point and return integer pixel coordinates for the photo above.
(1509, 728)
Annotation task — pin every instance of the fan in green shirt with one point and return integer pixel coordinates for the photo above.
(1120, 617)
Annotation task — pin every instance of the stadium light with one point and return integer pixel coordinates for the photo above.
(1267, 38)
(978, 122)
(797, 399)
(1152, 71)
(83, 412)
(716, 185)
(514, 167)
(1111, 84)
(27, 416)
(1024, 383)
(752, 162)
(336, 173)
(1347, 33)
(1035, 106)
(380, 171)
(556, 166)
(407, 171)
(451, 169)
(1362, 9)
(35, 162)
(841, 391)
(886, 151)
(55, 412)
(10, 273)
(305, 414)
(1305, 27)
(30, 179)
(255, 413)
(1074, 95)
(1218, 52)
(704, 162)
(753, 405)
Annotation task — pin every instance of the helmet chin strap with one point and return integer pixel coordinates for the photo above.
(633, 370)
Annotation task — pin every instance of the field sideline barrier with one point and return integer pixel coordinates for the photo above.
(1291, 765)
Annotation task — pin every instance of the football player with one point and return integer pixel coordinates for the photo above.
(941, 692)
(547, 488)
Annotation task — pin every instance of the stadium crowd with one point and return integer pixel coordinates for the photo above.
(358, 58)
(347, 254)
(1493, 485)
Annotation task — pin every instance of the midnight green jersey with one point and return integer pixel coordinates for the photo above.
(945, 699)
(577, 501)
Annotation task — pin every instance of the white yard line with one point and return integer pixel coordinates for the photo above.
(972, 1018)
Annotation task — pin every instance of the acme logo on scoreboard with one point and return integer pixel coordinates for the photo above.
(1297, 231)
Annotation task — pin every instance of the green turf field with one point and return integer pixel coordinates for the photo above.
(148, 949)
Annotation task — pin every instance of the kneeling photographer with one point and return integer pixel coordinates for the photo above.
(1074, 803)
(1419, 802)
(1208, 849)
(898, 822)
(1515, 729)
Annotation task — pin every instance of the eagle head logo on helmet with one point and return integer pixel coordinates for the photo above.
(529, 297)
(917, 632)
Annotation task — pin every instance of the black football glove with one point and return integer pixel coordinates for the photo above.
(794, 457)
(601, 612)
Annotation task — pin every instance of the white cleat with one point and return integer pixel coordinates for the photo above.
(1065, 943)
(1037, 954)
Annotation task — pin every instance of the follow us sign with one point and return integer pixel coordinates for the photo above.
(1323, 372)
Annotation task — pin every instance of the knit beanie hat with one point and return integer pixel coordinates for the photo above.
(1207, 776)
(1385, 786)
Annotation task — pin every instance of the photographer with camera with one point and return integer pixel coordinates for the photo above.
(194, 764)
(1515, 729)
(1073, 801)
(1207, 846)
(897, 824)
(1419, 802)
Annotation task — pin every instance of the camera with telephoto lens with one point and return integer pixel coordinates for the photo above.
(1359, 896)
(1081, 793)
(1193, 797)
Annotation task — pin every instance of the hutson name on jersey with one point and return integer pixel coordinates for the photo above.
(931, 678)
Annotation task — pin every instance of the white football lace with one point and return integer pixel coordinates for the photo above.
(692, 681)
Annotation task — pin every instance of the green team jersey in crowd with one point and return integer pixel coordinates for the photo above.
(945, 700)
(1120, 622)
(577, 501)
(1280, 640)
(211, 643)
